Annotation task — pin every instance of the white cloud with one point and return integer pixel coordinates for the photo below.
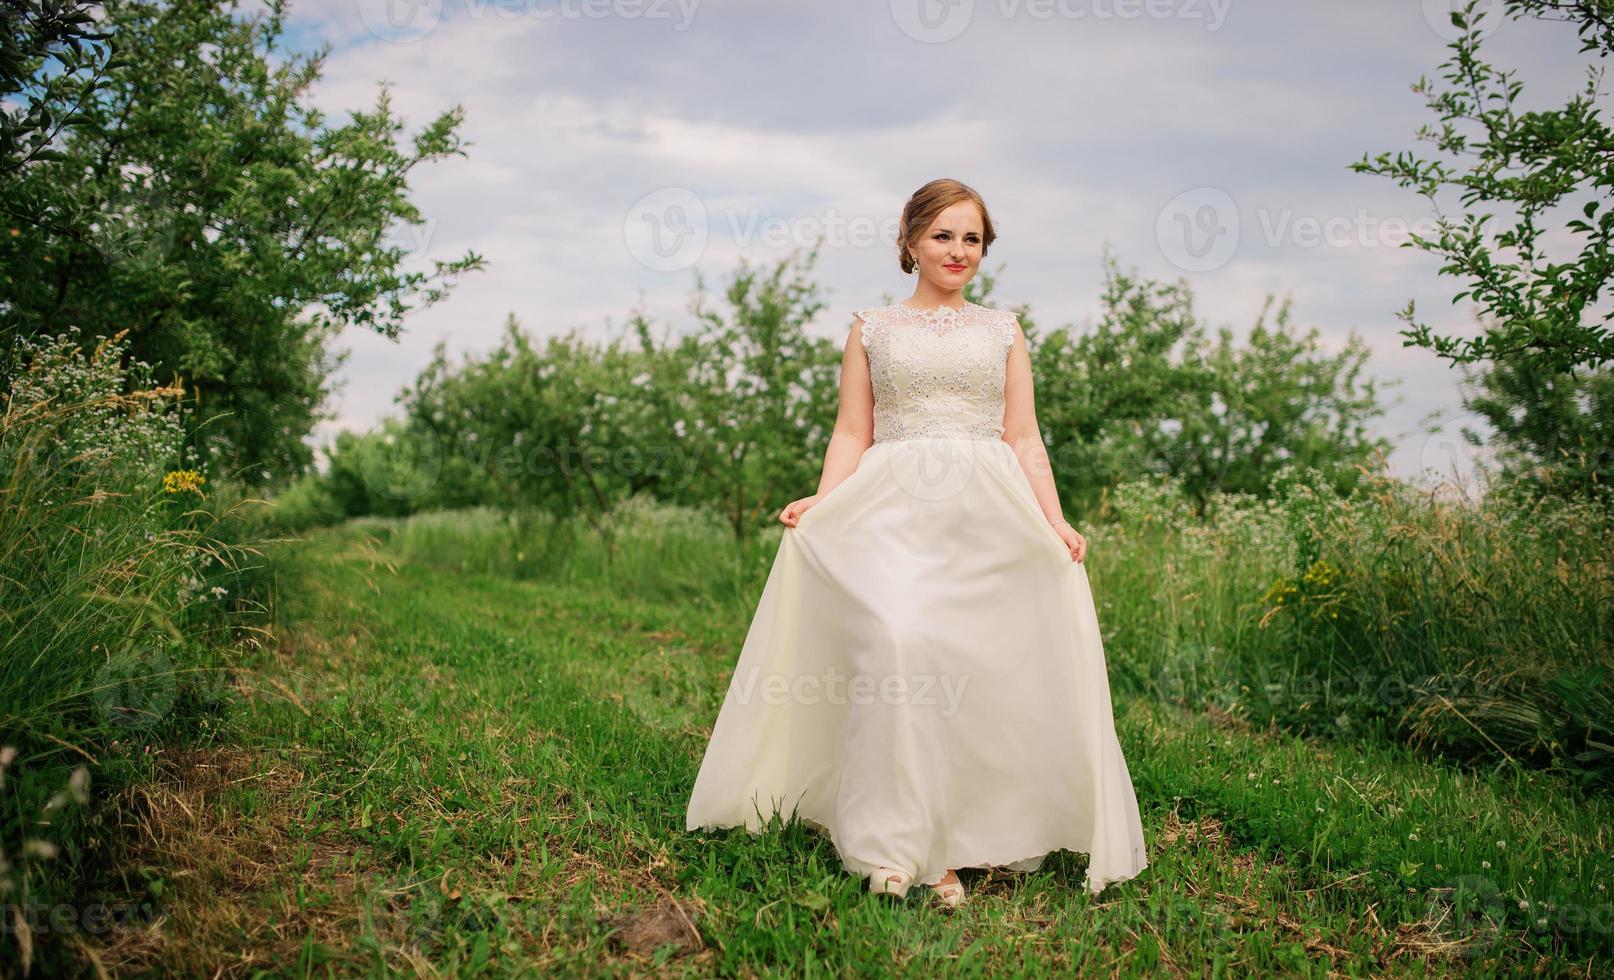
(1077, 131)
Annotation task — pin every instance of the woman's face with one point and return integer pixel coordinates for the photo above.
(949, 251)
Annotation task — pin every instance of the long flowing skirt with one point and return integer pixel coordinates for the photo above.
(924, 680)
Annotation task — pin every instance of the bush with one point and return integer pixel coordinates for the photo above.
(1484, 631)
(118, 587)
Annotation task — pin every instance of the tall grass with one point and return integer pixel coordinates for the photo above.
(119, 588)
(1484, 632)
(658, 550)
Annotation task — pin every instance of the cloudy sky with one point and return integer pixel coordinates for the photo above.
(1202, 139)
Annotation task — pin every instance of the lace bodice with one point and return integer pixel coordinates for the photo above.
(937, 373)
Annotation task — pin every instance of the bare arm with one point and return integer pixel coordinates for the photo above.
(854, 420)
(854, 425)
(1021, 432)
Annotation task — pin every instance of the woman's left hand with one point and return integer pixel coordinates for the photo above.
(1073, 540)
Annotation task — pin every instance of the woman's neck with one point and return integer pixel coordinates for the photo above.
(930, 299)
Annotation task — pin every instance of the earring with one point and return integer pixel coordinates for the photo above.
(915, 260)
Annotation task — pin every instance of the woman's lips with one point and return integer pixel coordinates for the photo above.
(955, 268)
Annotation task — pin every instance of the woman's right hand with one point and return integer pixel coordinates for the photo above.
(791, 515)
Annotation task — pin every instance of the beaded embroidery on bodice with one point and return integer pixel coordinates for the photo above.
(937, 373)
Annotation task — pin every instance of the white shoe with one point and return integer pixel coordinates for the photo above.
(951, 893)
(890, 881)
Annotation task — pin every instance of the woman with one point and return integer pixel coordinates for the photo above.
(924, 680)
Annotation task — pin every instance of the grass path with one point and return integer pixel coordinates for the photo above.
(460, 774)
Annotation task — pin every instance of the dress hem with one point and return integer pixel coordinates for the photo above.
(1095, 883)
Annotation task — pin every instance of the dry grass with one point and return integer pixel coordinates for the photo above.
(228, 910)
(246, 888)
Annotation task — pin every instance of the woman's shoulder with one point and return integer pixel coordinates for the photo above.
(867, 320)
(869, 314)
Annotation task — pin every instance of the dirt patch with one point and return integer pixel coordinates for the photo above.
(644, 931)
(221, 874)
(1220, 717)
(245, 885)
(1206, 831)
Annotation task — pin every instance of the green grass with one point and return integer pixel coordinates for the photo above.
(126, 577)
(452, 772)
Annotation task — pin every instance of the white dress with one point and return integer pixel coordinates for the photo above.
(923, 679)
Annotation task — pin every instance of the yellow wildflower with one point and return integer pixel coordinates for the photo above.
(178, 481)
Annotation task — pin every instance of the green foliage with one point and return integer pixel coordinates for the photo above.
(308, 502)
(1146, 391)
(1484, 631)
(199, 201)
(732, 416)
(86, 466)
(1539, 361)
(763, 397)
(1333, 599)
(1553, 431)
(1593, 19)
(736, 414)
(38, 103)
(1527, 163)
(124, 575)
(664, 551)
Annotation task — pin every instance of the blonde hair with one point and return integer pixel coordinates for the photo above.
(926, 204)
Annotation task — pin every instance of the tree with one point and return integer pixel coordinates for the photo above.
(766, 394)
(198, 200)
(1277, 399)
(1554, 430)
(1107, 398)
(1529, 162)
(734, 415)
(1147, 391)
(35, 34)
